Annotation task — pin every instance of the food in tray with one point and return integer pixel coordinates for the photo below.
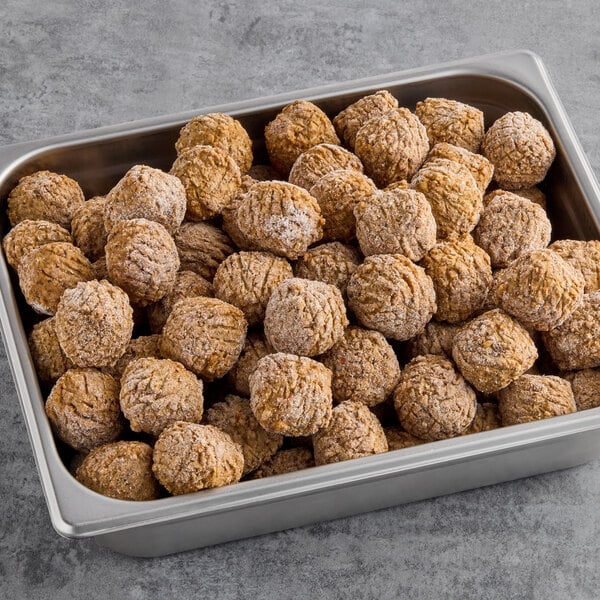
(227, 320)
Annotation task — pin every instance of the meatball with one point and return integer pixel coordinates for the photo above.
(586, 388)
(48, 357)
(305, 317)
(583, 256)
(398, 439)
(255, 347)
(436, 339)
(432, 399)
(392, 295)
(87, 226)
(144, 346)
(392, 146)
(121, 470)
(45, 196)
(521, 150)
(189, 457)
(285, 461)
(364, 367)
(83, 409)
(493, 350)
(291, 395)
(487, 417)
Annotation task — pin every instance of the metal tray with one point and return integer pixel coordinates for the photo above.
(97, 159)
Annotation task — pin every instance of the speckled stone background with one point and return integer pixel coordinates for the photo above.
(80, 64)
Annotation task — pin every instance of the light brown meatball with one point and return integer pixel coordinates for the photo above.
(479, 166)
(291, 394)
(220, 131)
(141, 258)
(99, 268)
(511, 226)
(521, 150)
(575, 343)
(121, 470)
(583, 256)
(48, 357)
(202, 248)
(364, 367)
(87, 226)
(331, 263)
(187, 285)
(144, 346)
(29, 235)
(456, 201)
(436, 339)
(398, 439)
(586, 388)
(338, 193)
(279, 217)
(234, 417)
(353, 432)
(452, 122)
(189, 457)
(395, 222)
(493, 350)
(255, 347)
(83, 408)
(487, 417)
(392, 146)
(285, 461)
(93, 323)
(353, 117)
(211, 179)
(319, 160)
(305, 317)
(535, 397)
(540, 289)
(155, 393)
(298, 127)
(392, 295)
(247, 280)
(461, 275)
(206, 335)
(46, 272)
(44, 196)
(397, 185)
(432, 400)
(146, 193)
(533, 194)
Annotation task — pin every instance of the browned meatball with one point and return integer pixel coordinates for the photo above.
(586, 387)
(583, 256)
(144, 346)
(397, 438)
(48, 357)
(255, 347)
(486, 418)
(285, 461)
(87, 226)
(436, 338)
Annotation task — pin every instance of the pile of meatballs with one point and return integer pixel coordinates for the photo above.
(388, 279)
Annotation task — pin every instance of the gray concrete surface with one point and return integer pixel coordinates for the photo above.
(75, 65)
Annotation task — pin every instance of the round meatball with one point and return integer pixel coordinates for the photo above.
(398, 439)
(121, 470)
(392, 295)
(456, 201)
(535, 397)
(364, 367)
(432, 399)
(521, 150)
(319, 160)
(452, 122)
(44, 196)
(291, 395)
(586, 388)
(220, 131)
(142, 259)
(392, 146)
(144, 346)
(83, 409)
(493, 350)
(206, 335)
(395, 222)
(29, 235)
(87, 226)
(46, 272)
(436, 339)
(247, 280)
(48, 357)
(540, 289)
(461, 275)
(583, 256)
(305, 317)
(285, 461)
(146, 193)
(94, 322)
(487, 417)
(298, 127)
(511, 226)
(255, 347)
(353, 432)
(189, 457)
(211, 179)
(279, 217)
(234, 417)
(338, 193)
